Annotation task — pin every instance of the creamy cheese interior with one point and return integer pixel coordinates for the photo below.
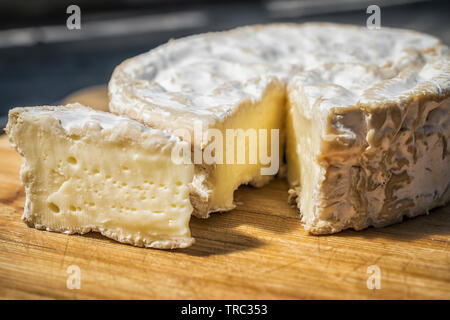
(128, 192)
(267, 114)
(302, 148)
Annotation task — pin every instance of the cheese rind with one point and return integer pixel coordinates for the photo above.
(86, 170)
(369, 167)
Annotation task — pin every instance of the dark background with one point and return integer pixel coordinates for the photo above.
(41, 61)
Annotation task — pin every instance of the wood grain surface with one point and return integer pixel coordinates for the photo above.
(257, 251)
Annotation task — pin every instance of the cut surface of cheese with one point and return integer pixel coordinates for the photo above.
(214, 184)
(87, 170)
(364, 112)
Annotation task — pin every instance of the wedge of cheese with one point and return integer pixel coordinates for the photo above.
(365, 114)
(87, 170)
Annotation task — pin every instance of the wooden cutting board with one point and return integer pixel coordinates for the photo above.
(257, 251)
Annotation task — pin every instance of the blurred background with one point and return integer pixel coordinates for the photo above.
(41, 61)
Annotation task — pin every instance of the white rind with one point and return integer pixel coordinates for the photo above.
(206, 77)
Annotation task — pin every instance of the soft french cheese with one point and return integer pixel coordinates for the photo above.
(367, 116)
(87, 170)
